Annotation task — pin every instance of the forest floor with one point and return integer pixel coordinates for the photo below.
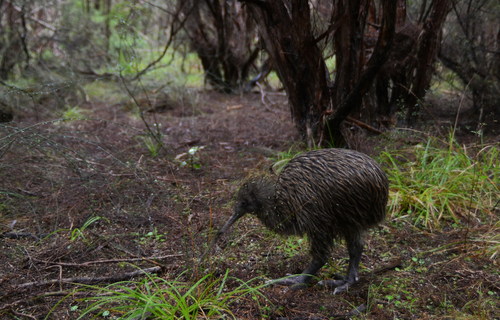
(93, 199)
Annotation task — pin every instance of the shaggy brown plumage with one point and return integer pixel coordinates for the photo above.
(326, 194)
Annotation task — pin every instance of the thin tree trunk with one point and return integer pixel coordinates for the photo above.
(354, 92)
(287, 37)
(420, 73)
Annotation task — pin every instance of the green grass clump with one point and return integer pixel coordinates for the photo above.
(164, 299)
(435, 182)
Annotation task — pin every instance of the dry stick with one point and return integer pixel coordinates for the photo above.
(75, 294)
(60, 274)
(459, 107)
(90, 280)
(23, 314)
(263, 95)
(466, 234)
(171, 180)
(172, 34)
(215, 238)
(364, 125)
(42, 23)
(55, 294)
(354, 312)
(394, 264)
(190, 230)
(84, 264)
(20, 235)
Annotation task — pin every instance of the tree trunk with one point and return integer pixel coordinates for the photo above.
(222, 35)
(286, 30)
(421, 70)
(287, 37)
(348, 94)
(473, 54)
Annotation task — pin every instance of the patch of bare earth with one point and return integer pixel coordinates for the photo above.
(84, 201)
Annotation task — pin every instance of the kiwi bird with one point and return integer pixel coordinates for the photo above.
(328, 194)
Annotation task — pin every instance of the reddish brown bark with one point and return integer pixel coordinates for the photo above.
(421, 69)
(222, 35)
(286, 30)
(287, 36)
(348, 94)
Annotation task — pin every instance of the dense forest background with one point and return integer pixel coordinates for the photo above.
(127, 126)
(373, 61)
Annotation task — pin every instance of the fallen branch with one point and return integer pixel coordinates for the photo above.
(396, 263)
(363, 125)
(263, 98)
(63, 293)
(88, 263)
(22, 235)
(20, 314)
(90, 280)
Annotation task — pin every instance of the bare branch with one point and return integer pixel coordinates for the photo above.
(173, 32)
(88, 263)
(379, 56)
(90, 280)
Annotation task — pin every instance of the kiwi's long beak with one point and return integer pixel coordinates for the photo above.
(236, 215)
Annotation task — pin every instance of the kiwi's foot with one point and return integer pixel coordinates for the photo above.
(295, 283)
(338, 285)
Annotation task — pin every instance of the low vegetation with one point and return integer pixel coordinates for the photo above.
(439, 182)
(98, 196)
(126, 127)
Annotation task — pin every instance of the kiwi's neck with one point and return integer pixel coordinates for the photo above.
(266, 199)
(268, 214)
(280, 222)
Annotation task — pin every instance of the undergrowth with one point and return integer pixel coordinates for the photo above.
(168, 299)
(436, 183)
(97, 191)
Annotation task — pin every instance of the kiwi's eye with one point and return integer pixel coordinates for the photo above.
(244, 203)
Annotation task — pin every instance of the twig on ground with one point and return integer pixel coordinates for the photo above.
(171, 180)
(20, 235)
(263, 95)
(84, 264)
(62, 293)
(364, 125)
(90, 280)
(23, 314)
(393, 265)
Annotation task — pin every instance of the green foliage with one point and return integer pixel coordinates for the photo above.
(73, 113)
(111, 92)
(273, 79)
(190, 158)
(152, 145)
(283, 158)
(154, 139)
(293, 246)
(430, 183)
(79, 232)
(152, 236)
(164, 299)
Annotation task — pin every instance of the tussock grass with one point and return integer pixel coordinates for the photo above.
(435, 183)
(164, 299)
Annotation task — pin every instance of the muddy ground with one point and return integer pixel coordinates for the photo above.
(89, 199)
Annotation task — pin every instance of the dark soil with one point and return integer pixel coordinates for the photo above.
(55, 177)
